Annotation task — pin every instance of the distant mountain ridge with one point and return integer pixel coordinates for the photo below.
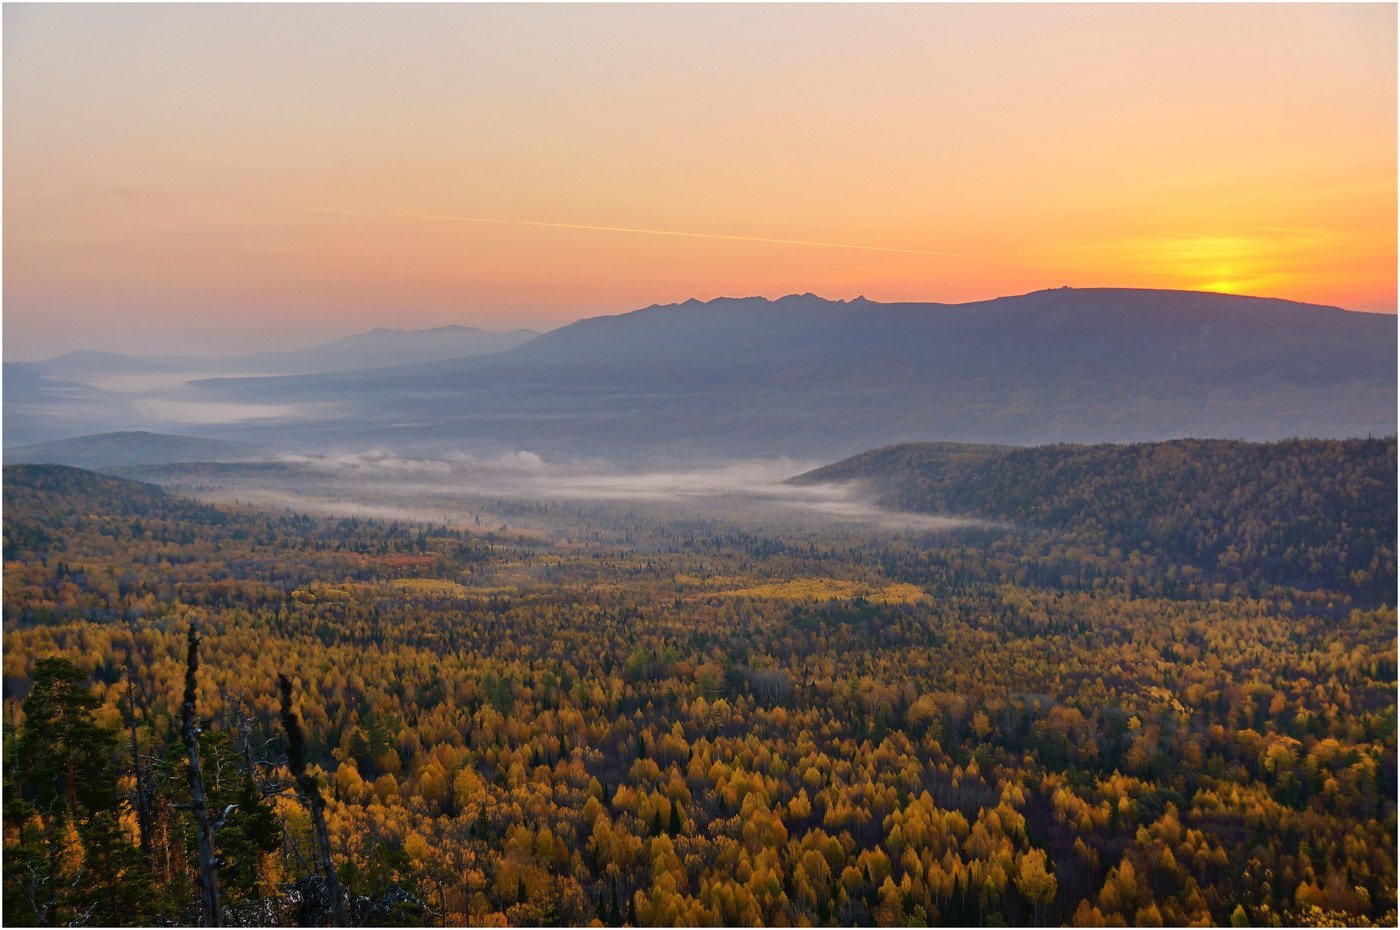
(88, 391)
(384, 346)
(806, 376)
(40, 407)
(378, 347)
(126, 449)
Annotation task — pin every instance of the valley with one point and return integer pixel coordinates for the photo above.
(663, 711)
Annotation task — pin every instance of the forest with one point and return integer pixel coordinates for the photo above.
(1161, 691)
(1317, 514)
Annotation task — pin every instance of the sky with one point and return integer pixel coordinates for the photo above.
(215, 179)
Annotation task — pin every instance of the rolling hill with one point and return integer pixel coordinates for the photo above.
(1311, 513)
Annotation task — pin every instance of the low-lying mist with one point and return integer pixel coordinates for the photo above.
(470, 489)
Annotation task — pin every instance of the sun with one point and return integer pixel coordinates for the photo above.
(1221, 264)
(1221, 286)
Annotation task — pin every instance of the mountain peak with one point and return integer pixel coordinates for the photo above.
(754, 300)
(806, 298)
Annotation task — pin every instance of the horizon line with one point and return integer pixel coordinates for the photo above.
(677, 303)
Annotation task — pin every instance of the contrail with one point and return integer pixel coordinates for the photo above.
(645, 232)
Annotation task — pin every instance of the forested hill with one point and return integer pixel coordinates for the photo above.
(1311, 513)
(46, 505)
(64, 515)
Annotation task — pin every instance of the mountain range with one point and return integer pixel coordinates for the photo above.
(806, 376)
(88, 392)
(363, 350)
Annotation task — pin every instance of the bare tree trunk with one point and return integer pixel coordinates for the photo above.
(208, 880)
(143, 800)
(143, 804)
(50, 910)
(311, 794)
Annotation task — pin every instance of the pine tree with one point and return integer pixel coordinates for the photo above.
(251, 830)
(482, 827)
(120, 890)
(32, 895)
(62, 770)
(64, 758)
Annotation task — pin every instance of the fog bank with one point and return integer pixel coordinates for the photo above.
(380, 482)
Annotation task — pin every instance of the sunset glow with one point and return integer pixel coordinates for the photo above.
(317, 170)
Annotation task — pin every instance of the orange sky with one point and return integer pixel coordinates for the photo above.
(219, 178)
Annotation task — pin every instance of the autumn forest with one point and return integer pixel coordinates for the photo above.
(1105, 704)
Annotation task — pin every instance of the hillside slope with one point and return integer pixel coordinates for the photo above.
(1304, 513)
